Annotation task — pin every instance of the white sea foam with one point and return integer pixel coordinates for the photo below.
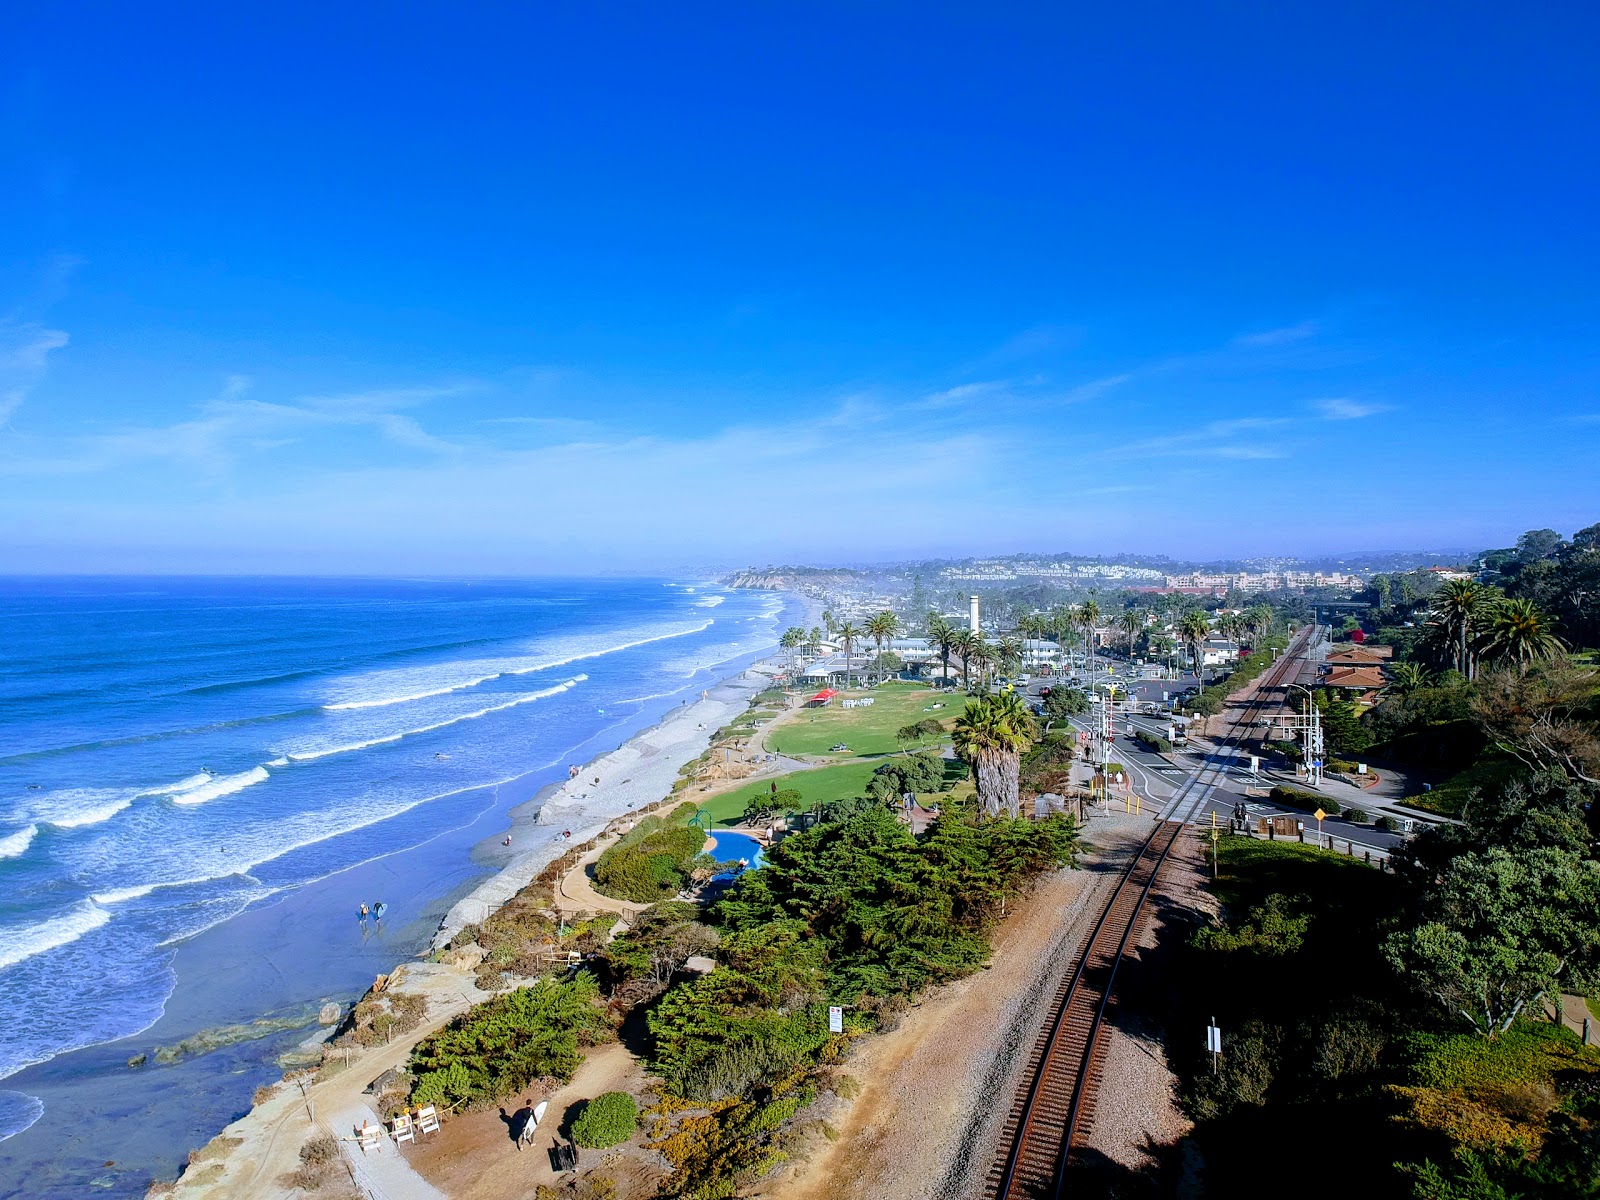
(208, 787)
(709, 602)
(27, 940)
(572, 658)
(380, 690)
(183, 785)
(14, 844)
(122, 895)
(77, 807)
(385, 701)
(18, 1111)
(326, 751)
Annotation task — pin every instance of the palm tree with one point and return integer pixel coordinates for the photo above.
(1519, 633)
(790, 641)
(1458, 611)
(815, 637)
(992, 735)
(982, 653)
(1407, 677)
(961, 641)
(829, 621)
(1131, 623)
(1009, 652)
(848, 635)
(1261, 618)
(1089, 617)
(943, 635)
(1194, 629)
(882, 626)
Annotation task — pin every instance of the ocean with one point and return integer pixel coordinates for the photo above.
(202, 780)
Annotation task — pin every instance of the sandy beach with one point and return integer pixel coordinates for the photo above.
(254, 1155)
(636, 774)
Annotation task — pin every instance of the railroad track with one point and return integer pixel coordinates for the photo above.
(1053, 1112)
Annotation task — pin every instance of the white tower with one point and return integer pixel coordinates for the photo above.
(974, 614)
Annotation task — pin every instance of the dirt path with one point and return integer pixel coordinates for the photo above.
(576, 890)
(247, 1160)
(935, 1090)
(476, 1159)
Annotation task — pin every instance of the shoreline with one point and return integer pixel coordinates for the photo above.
(636, 774)
(648, 763)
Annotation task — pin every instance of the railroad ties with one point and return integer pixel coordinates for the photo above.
(1054, 1112)
(1054, 1109)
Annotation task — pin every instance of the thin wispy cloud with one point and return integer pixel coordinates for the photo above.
(25, 349)
(1216, 439)
(1278, 337)
(233, 427)
(1339, 408)
(1094, 389)
(962, 394)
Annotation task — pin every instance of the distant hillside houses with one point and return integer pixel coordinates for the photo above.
(1266, 581)
(991, 571)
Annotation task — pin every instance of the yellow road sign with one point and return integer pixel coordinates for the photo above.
(1320, 814)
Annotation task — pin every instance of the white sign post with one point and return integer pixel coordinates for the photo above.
(1213, 1043)
(835, 1019)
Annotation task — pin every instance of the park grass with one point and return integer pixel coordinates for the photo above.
(1249, 870)
(866, 731)
(824, 783)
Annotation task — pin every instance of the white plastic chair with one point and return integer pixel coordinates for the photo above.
(427, 1120)
(404, 1131)
(370, 1137)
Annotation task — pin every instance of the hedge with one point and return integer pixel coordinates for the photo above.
(607, 1120)
(1152, 741)
(1304, 801)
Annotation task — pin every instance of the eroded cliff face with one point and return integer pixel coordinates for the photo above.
(783, 579)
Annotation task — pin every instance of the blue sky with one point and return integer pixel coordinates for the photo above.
(515, 288)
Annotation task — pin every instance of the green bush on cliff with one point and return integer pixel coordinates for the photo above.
(607, 1120)
(652, 862)
(502, 1045)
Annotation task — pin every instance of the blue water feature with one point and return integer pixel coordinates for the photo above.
(738, 847)
(202, 779)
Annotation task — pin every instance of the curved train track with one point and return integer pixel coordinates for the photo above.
(1054, 1109)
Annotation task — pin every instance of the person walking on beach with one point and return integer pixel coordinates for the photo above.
(363, 916)
(378, 909)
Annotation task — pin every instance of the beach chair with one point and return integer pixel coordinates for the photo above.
(404, 1130)
(370, 1137)
(427, 1120)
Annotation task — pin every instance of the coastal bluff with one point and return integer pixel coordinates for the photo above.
(790, 579)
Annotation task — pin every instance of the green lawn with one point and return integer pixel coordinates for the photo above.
(865, 730)
(824, 783)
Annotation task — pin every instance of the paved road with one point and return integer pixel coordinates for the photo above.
(1161, 777)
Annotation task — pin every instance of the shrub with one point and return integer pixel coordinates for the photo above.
(1152, 741)
(652, 862)
(1385, 822)
(502, 1045)
(318, 1158)
(918, 773)
(1356, 815)
(1290, 797)
(607, 1120)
